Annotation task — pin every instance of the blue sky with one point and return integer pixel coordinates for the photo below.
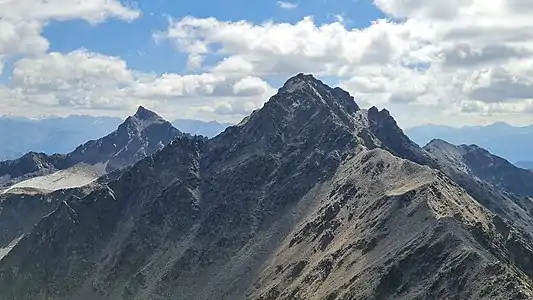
(133, 41)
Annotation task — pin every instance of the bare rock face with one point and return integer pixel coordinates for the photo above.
(387, 228)
(309, 197)
(139, 136)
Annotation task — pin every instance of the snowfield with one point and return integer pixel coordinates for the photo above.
(77, 176)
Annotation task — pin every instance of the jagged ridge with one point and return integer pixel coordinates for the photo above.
(481, 164)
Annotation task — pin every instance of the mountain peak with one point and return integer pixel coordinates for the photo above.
(499, 125)
(143, 119)
(138, 136)
(146, 114)
(299, 82)
(303, 77)
(306, 88)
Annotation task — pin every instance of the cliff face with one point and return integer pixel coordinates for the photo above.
(310, 197)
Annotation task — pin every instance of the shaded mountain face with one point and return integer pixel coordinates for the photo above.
(310, 197)
(20, 212)
(140, 135)
(480, 163)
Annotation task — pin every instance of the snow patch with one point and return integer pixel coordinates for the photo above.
(77, 176)
(6, 250)
(111, 193)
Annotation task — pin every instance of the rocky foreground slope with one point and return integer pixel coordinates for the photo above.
(310, 197)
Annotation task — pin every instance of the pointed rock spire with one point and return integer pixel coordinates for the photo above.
(146, 115)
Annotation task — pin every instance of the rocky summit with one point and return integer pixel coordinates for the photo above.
(310, 197)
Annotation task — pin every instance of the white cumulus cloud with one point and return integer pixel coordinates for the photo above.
(22, 21)
(86, 80)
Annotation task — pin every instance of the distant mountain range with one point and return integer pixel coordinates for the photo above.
(196, 127)
(51, 135)
(311, 197)
(61, 135)
(513, 143)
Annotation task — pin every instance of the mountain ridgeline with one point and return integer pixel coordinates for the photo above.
(528, 165)
(310, 197)
(502, 139)
(51, 135)
(138, 136)
(479, 163)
